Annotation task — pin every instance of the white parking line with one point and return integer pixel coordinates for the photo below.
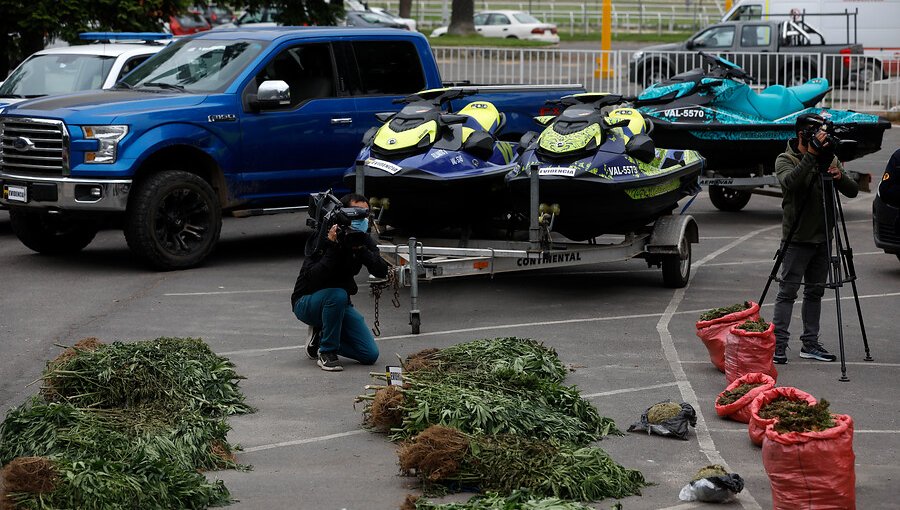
(303, 441)
(629, 390)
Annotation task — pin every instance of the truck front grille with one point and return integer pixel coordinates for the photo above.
(33, 146)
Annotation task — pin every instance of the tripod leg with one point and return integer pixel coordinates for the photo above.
(834, 279)
(851, 273)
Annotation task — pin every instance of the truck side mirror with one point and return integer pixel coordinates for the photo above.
(689, 44)
(273, 94)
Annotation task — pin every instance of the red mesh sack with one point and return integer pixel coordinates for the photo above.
(812, 470)
(757, 426)
(749, 351)
(713, 333)
(739, 410)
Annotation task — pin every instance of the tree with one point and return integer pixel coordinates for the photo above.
(405, 8)
(37, 22)
(462, 18)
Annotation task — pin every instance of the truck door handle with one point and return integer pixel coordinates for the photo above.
(342, 120)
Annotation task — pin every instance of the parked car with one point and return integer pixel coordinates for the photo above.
(886, 208)
(409, 22)
(75, 68)
(215, 14)
(371, 19)
(510, 25)
(187, 23)
(755, 46)
(264, 17)
(240, 122)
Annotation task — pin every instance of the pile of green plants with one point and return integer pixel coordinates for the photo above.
(516, 500)
(717, 313)
(124, 426)
(510, 387)
(798, 415)
(757, 326)
(493, 415)
(506, 462)
(732, 396)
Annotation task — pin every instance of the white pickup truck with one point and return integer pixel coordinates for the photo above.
(75, 68)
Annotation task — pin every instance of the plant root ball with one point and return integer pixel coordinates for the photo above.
(436, 453)
(35, 475)
(420, 360)
(386, 411)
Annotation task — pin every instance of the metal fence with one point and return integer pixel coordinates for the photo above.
(859, 82)
(582, 16)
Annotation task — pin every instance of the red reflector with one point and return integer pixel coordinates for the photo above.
(481, 264)
(553, 30)
(537, 30)
(846, 51)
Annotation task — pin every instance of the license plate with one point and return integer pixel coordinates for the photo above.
(562, 171)
(383, 165)
(15, 193)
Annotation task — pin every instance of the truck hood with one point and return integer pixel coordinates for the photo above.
(664, 47)
(103, 103)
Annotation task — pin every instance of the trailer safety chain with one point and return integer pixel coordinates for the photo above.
(391, 280)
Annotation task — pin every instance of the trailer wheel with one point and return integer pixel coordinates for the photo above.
(51, 234)
(415, 322)
(676, 269)
(174, 220)
(728, 199)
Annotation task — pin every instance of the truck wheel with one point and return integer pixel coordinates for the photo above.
(655, 73)
(51, 234)
(797, 75)
(728, 199)
(174, 220)
(676, 270)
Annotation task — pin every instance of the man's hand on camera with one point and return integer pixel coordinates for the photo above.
(332, 233)
(835, 173)
(817, 143)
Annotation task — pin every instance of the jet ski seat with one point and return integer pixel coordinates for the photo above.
(485, 115)
(774, 102)
(811, 90)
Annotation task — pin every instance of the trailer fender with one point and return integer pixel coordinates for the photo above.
(668, 231)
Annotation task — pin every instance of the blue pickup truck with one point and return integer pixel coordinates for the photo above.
(232, 122)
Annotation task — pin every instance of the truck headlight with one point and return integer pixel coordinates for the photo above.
(637, 55)
(109, 137)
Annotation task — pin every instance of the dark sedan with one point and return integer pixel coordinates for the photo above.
(886, 208)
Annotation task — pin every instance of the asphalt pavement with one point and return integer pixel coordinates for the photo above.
(630, 341)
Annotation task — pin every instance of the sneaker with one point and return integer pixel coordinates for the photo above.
(312, 344)
(816, 351)
(780, 357)
(329, 362)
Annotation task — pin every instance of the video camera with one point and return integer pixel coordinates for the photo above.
(832, 146)
(326, 210)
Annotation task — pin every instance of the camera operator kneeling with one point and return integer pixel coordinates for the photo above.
(799, 170)
(321, 296)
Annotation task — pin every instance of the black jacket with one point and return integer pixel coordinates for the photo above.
(335, 267)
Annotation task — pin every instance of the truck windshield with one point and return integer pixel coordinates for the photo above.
(195, 65)
(43, 75)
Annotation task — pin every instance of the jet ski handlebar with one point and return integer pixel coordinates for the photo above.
(718, 66)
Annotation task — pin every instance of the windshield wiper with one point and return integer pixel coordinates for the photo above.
(17, 96)
(123, 85)
(169, 86)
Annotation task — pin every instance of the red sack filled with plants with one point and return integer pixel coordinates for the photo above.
(758, 424)
(734, 402)
(713, 327)
(750, 347)
(812, 470)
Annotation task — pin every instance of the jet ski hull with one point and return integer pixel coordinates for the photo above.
(627, 197)
(736, 148)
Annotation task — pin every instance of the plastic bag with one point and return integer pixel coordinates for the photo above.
(713, 333)
(739, 410)
(757, 425)
(676, 426)
(715, 489)
(749, 351)
(812, 470)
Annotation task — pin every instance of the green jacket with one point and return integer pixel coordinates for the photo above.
(801, 182)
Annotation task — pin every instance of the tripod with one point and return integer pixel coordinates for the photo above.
(840, 261)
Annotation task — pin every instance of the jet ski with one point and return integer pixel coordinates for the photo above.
(427, 167)
(599, 171)
(737, 129)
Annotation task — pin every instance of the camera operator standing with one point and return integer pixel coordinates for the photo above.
(799, 170)
(321, 296)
